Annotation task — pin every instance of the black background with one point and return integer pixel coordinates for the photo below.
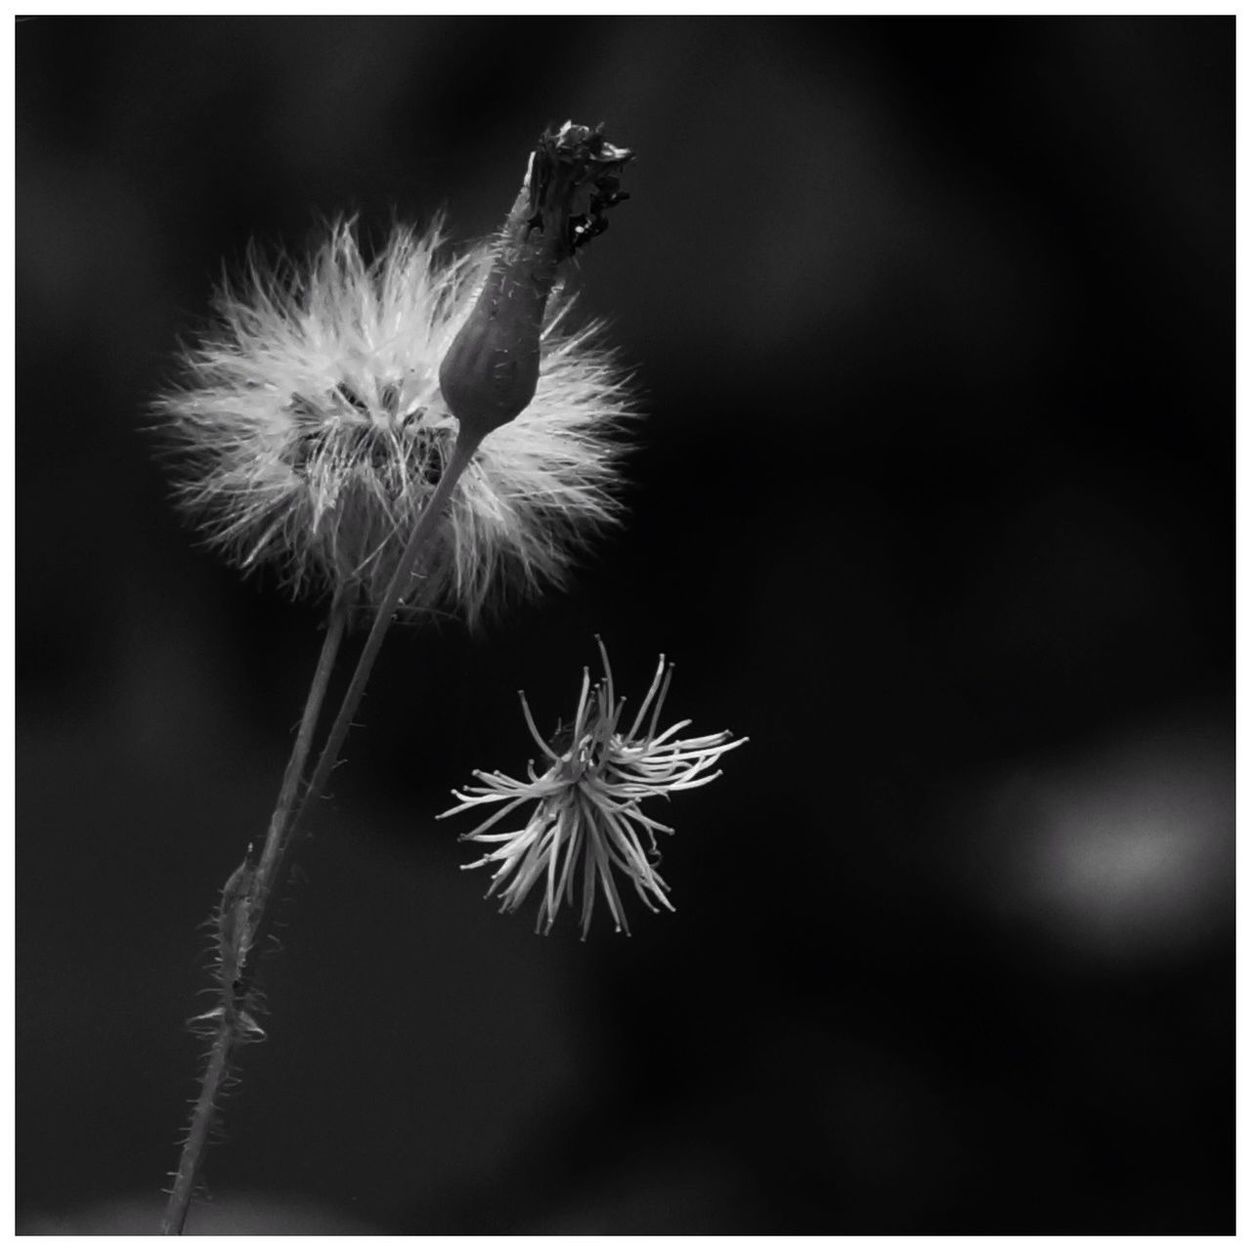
(933, 326)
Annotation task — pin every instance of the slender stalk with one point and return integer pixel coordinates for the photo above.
(194, 1144)
(279, 822)
(248, 915)
(235, 920)
(423, 531)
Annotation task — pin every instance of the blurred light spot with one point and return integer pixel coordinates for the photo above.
(1125, 852)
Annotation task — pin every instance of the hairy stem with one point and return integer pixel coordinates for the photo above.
(237, 931)
(193, 1147)
(247, 910)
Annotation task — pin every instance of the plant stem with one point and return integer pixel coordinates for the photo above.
(261, 883)
(231, 1029)
(425, 528)
(279, 823)
(194, 1144)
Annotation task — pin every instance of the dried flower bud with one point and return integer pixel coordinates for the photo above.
(491, 370)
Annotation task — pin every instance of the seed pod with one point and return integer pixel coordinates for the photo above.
(490, 372)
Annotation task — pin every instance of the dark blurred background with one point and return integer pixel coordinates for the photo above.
(933, 326)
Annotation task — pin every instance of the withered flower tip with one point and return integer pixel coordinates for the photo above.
(491, 370)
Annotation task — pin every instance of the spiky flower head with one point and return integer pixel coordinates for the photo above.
(313, 424)
(585, 819)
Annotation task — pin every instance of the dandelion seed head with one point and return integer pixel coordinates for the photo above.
(311, 426)
(584, 826)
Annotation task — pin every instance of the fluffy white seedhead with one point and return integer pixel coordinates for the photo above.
(584, 826)
(312, 431)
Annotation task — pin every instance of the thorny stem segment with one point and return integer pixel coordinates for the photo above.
(244, 899)
(246, 908)
(193, 1146)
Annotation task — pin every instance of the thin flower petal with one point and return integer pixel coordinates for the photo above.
(587, 817)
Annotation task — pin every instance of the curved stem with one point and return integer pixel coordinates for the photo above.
(238, 930)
